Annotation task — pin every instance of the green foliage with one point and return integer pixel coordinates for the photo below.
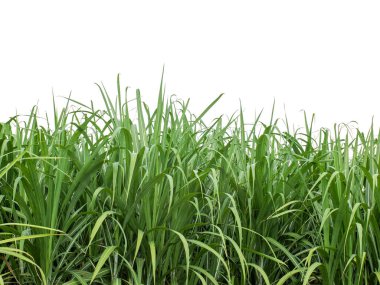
(99, 198)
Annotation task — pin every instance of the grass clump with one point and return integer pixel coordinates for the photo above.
(98, 198)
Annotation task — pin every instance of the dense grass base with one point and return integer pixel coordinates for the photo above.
(97, 198)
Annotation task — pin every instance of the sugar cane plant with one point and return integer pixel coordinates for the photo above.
(96, 196)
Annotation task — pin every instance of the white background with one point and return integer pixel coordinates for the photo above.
(318, 56)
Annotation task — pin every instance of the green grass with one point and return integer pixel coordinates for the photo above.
(96, 197)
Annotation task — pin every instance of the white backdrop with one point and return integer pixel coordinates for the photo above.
(318, 56)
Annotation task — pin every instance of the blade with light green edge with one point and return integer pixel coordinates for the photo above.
(30, 226)
(103, 258)
(203, 281)
(98, 224)
(140, 235)
(214, 252)
(377, 274)
(11, 240)
(278, 245)
(19, 254)
(141, 121)
(205, 111)
(159, 110)
(205, 273)
(310, 271)
(290, 274)
(187, 251)
(79, 278)
(152, 248)
(261, 271)
(10, 165)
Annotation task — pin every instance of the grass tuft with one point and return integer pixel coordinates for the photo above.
(99, 198)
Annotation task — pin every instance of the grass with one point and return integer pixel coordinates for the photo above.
(95, 197)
